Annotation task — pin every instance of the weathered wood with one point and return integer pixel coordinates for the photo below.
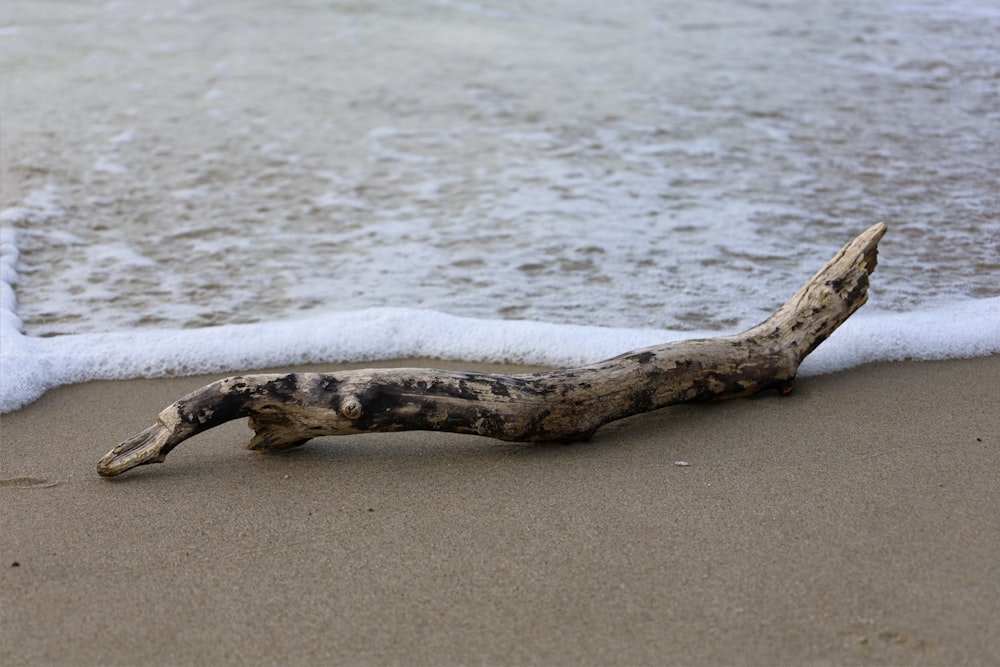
(556, 406)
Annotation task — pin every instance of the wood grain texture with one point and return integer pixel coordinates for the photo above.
(555, 406)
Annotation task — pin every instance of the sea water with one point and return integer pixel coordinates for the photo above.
(220, 186)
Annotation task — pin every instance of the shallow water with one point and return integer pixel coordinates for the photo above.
(684, 165)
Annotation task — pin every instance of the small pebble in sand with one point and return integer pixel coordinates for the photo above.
(682, 464)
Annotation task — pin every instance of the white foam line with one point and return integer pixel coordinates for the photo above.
(30, 366)
(33, 365)
(960, 331)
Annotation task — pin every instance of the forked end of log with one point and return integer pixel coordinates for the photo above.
(831, 296)
(556, 406)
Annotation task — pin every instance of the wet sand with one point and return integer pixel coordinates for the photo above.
(852, 522)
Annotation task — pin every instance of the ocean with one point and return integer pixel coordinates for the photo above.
(212, 187)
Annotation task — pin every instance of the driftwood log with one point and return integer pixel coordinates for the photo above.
(556, 406)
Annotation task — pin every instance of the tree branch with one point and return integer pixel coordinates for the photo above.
(556, 406)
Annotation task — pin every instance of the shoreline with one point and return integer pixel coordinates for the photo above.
(34, 365)
(851, 522)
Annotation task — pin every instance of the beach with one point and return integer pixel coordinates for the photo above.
(851, 522)
(190, 188)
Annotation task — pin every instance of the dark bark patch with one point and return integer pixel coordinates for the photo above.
(284, 386)
(642, 357)
(499, 388)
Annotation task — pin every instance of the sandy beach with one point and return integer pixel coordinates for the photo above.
(852, 522)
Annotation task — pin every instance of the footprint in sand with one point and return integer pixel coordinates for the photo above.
(26, 483)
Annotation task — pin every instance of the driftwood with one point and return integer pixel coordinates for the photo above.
(556, 406)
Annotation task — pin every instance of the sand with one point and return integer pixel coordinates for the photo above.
(853, 522)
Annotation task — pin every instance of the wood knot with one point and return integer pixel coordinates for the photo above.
(351, 408)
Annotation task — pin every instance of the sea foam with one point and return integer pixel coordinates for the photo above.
(29, 366)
